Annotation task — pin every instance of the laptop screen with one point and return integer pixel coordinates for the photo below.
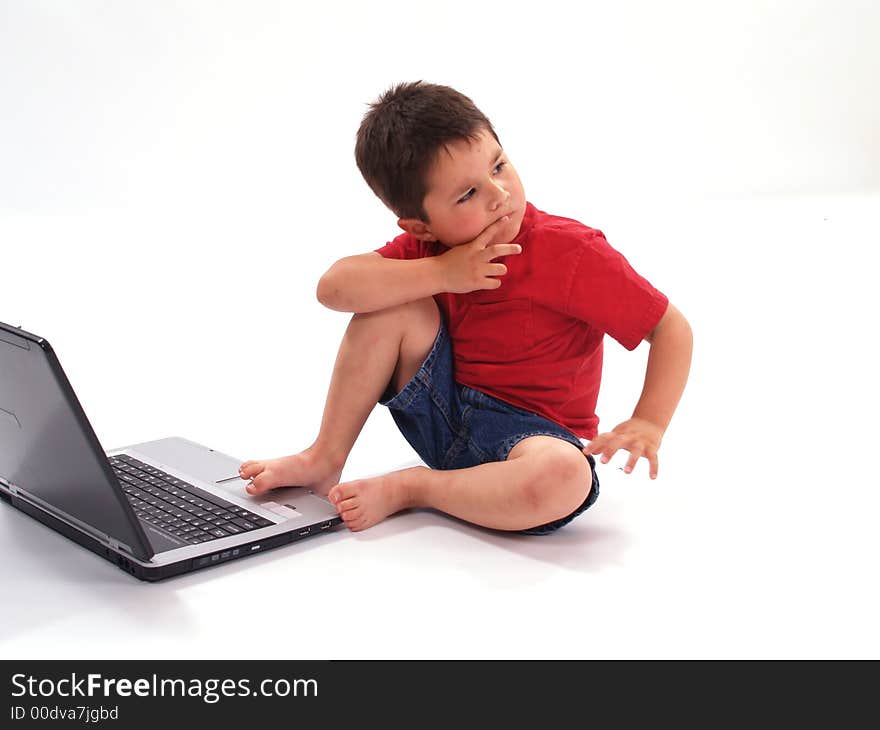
(47, 445)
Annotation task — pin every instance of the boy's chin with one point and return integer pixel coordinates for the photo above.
(509, 230)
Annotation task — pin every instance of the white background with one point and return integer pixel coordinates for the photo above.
(175, 177)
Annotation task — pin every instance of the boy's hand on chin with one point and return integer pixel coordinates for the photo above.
(638, 436)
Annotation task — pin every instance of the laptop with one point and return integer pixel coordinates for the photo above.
(156, 509)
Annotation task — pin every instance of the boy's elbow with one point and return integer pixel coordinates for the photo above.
(331, 293)
(327, 292)
(322, 292)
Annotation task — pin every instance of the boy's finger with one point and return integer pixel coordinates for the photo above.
(597, 451)
(503, 249)
(485, 238)
(631, 461)
(655, 465)
(606, 444)
(499, 250)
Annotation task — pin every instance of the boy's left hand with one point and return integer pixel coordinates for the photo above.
(638, 436)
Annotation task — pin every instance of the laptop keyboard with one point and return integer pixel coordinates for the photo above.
(179, 508)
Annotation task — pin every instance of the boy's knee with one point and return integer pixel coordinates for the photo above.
(421, 311)
(425, 311)
(419, 323)
(565, 482)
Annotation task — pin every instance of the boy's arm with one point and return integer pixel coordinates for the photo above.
(668, 366)
(370, 282)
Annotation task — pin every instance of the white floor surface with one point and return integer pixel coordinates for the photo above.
(759, 538)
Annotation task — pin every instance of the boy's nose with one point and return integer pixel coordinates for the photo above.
(501, 197)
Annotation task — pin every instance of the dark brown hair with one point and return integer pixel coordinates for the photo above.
(401, 135)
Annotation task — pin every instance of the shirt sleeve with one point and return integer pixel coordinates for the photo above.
(606, 292)
(402, 247)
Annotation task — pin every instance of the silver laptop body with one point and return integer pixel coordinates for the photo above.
(155, 509)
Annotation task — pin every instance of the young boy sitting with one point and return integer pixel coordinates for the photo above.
(480, 328)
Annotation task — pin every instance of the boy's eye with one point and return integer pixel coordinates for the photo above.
(470, 193)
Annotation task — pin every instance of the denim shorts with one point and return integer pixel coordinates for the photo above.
(452, 426)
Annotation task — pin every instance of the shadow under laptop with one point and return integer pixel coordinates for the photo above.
(48, 579)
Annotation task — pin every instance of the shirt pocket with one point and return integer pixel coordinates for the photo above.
(495, 331)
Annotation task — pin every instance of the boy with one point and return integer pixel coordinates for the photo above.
(480, 328)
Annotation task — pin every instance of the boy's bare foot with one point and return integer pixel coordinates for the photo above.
(309, 469)
(366, 502)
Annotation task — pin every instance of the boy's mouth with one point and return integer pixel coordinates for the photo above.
(509, 214)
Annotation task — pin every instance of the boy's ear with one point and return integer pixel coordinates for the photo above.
(417, 229)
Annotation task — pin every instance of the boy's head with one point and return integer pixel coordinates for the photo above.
(434, 159)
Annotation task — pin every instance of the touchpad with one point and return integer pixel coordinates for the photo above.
(221, 470)
(190, 458)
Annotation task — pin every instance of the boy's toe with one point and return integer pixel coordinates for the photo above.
(353, 520)
(250, 469)
(353, 513)
(347, 505)
(258, 485)
(340, 493)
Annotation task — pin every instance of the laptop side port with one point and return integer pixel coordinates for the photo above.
(124, 564)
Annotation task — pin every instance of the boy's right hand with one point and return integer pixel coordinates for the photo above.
(467, 267)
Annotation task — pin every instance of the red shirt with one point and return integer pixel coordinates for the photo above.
(536, 341)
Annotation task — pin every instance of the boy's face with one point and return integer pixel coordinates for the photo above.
(470, 186)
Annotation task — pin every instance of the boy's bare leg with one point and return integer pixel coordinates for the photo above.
(376, 348)
(543, 479)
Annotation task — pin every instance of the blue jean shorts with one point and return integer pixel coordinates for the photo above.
(452, 426)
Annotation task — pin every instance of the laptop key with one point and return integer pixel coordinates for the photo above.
(194, 491)
(178, 500)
